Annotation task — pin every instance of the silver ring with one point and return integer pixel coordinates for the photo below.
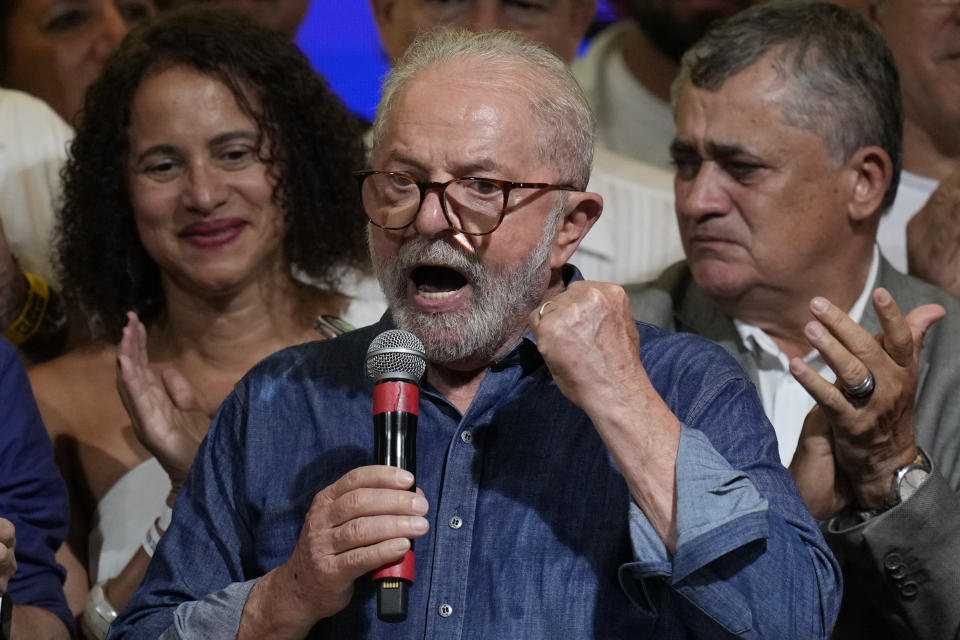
(542, 307)
(862, 390)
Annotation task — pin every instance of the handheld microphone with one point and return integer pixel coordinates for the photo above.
(396, 362)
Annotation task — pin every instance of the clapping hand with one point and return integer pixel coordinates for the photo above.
(165, 411)
(8, 561)
(859, 434)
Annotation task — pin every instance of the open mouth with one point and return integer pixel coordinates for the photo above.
(436, 282)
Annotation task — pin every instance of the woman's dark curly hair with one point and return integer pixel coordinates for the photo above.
(308, 139)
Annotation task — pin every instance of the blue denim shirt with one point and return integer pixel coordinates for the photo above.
(533, 531)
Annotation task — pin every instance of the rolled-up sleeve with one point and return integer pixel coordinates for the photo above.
(748, 555)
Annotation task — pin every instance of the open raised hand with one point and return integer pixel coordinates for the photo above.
(165, 412)
(850, 447)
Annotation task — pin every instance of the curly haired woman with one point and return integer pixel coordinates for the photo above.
(208, 199)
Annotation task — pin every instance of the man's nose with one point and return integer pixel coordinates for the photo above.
(112, 28)
(430, 220)
(205, 190)
(486, 15)
(702, 194)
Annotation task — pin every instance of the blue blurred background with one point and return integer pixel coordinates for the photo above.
(340, 38)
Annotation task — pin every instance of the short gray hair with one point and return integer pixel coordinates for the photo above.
(844, 79)
(567, 124)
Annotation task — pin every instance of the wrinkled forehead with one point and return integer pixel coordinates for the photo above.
(464, 100)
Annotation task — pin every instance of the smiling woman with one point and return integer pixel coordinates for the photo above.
(214, 164)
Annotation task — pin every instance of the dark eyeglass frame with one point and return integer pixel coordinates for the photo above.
(505, 186)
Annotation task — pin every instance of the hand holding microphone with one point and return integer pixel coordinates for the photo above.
(396, 362)
(365, 521)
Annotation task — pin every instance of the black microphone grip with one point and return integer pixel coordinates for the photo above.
(395, 408)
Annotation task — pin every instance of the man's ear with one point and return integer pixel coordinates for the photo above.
(392, 38)
(581, 19)
(582, 211)
(871, 170)
(382, 10)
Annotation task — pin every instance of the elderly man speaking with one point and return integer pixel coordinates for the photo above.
(576, 477)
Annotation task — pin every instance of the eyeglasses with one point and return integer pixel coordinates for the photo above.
(474, 206)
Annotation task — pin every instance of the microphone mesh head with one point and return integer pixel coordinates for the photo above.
(396, 355)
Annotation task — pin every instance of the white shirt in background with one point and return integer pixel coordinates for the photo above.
(33, 148)
(636, 237)
(912, 194)
(631, 120)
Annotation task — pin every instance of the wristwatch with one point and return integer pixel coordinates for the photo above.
(908, 478)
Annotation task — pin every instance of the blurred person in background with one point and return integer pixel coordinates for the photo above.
(921, 232)
(282, 16)
(560, 25)
(629, 66)
(33, 514)
(52, 50)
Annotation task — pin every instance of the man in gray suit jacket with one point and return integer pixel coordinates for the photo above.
(788, 151)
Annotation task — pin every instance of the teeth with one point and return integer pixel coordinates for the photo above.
(436, 295)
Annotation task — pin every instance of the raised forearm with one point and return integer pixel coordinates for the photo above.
(643, 435)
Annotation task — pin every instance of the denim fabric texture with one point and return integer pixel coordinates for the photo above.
(533, 531)
(32, 493)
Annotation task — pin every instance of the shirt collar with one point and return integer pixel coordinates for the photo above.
(756, 340)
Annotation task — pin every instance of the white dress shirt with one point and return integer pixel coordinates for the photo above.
(912, 194)
(636, 237)
(784, 400)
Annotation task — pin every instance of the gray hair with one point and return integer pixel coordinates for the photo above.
(566, 122)
(844, 83)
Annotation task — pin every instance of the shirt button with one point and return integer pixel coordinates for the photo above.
(909, 590)
(892, 561)
(466, 436)
(456, 522)
(445, 610)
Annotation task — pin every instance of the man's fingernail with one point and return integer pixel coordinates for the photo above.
(400, 544)
(882, 296)
(419, 525)
(819, 304)
(420, 504)
(814, 330)
(404, 477)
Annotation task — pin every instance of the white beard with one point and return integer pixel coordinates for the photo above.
(501, 302)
